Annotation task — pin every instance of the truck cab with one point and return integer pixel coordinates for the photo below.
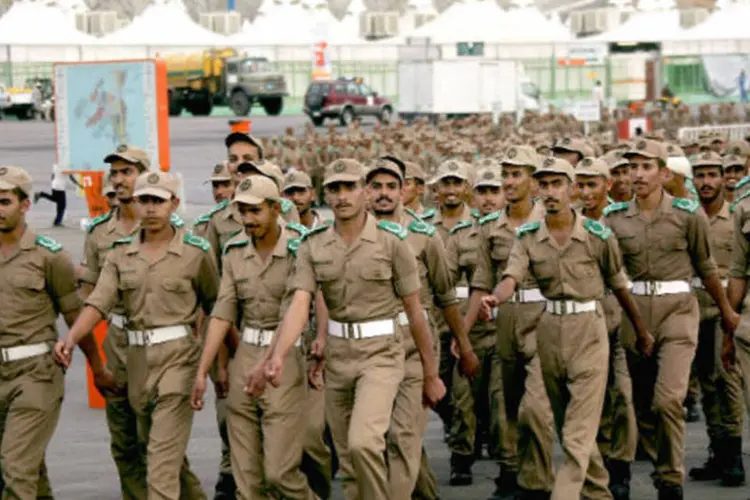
(252, 79)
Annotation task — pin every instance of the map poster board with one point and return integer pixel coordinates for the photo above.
(101, 105)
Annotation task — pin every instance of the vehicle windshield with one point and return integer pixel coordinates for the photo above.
(255, 66)
(529, 89)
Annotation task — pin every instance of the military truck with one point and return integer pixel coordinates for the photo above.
(197, 82)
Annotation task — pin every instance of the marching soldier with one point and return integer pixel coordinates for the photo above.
(572, 259)
(298, 189)
(163, 275)
(222, 182)
(414, 185)
(734, 171)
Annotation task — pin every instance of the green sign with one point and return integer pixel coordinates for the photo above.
(470, 48)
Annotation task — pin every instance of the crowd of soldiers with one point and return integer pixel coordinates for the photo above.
(522, 282)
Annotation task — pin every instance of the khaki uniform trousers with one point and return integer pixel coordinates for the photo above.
(721, 388)
(265, 433)
(160, 381)
(426, 487)
(44, 489)
(122, 421)
(362, 379)
(573, 353)
(660, 381)
(522, 427)
(742, 348)
(31, 394)
(618, 429)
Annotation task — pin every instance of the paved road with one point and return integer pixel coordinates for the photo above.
(78, 457)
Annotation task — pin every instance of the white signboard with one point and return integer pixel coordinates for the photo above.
(586, 111)
(586, 55)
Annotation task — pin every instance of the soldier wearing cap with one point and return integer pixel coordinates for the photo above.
(265, 447)
(39, 283)
(222, 182)
(367, 274)
(721, 387)
(619, 170)
(680, 178)
(618, 430)
(522, 426)
(571, 334)
(298, 189)
(664, 242)
(735, 170)
(414, 186)
(161, 275)
(573, 150)
(409, 418)
(242, 147)
(272, 171)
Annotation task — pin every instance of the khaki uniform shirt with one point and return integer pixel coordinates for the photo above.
(165, 292)
(579, 270)
(740, 263)
(361, 282)
(37, 283)
(437, 221)
(720, 238)
(672, 245)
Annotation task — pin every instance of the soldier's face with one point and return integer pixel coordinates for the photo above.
(517, 183)
(717, 146)
(222, 190)
(622, 184)
(301, 197)
(674, 183)
(732, 175)
(647, 175)
(12, 210)
(451, 191)
(592, 190)
(383, 193)
(346, 199)
(413, 191)
(241, 152)
(489, 199)
(155, 212)
(709, 182)
(555, 191)
(123, 176)
(259, 220)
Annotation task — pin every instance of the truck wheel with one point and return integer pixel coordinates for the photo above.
(347, 116)
(175, 106)
(202, 108)
(317, 120)
(385, 115)
(240, 103)
(273, 105)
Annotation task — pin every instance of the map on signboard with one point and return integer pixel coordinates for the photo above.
(102, 105)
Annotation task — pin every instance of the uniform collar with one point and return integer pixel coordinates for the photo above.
(175, 245)
(280, 250)
(370, 231)
(28, 239)
(113, 224)
(465, 215)
(577, 233)
(724, 212)
(665, 205)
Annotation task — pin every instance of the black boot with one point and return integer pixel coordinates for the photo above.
(225, 487)
(506, 485)
(711, 470)
(619, 479)
(533, 494)
(733, 472)
(461, 470)
(670, 492)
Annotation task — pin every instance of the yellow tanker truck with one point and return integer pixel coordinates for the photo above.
(199, 81)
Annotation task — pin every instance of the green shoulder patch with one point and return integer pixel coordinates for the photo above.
(597, 229)
(428, 214)
(234, 243)
(413, 213)
(736, 202)
(615, 207)
(292, 245)
(98, 221)
(123, 241)
(489, 218)
(196, 241)
(686, 204)
(317, 230)
(743, 182)
(48, 243)
(475, 213)
(205, 218)
(286, 206)
(462, 224)
(176, 220)
(393, 228)
(528, 228)
(420, 226)
(297, 227)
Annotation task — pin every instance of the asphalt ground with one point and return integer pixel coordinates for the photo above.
(78, 458)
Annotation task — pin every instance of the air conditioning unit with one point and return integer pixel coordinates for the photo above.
(223, 23)
(590, 21)
(104, 23)
(379, 24)
(420, 19)
(692, 17)
(82, 21)
(204, 19)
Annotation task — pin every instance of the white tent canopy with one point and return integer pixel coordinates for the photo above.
(645, 26)
(33, 23)
(279, 25)
(729, 23)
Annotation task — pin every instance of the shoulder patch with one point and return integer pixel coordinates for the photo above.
(743, 182)
(420, 226)
(123, 241)
(686, 204)
(475, 213)
(615, 207)
(48, 243)
(196, 241)
(413, 213)
(98, 221)
(489, 218)
(176, 220)
(286, 206)
(292, 245)
(233, 243)
(736, 202)
(528, 228)
(428, 214)
(203, 219)
(317, 230)
(597, 229)
(297, 227)
(462, 224)
(393, 228)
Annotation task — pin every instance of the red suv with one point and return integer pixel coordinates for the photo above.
(345, 99)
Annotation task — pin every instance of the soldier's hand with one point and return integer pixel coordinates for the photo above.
(318, 348)
(727, 351)
(273, 371)
(645, 344)
(468, 363)
(433, 391)
(105, 383)
(315, 377)
(730, 322)
(256, 381)
(63, 353)
(221, 382)
(489, 302)
(199, 389)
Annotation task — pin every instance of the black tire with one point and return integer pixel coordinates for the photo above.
(240, 103)
(202, 108)
(347, 116)
(175, 106)
(24, 114)
(273, 105)
(317, 120)
(386, 114)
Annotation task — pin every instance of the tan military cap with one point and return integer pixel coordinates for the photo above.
(130, 154)
(236, 137)
(575, 145)
(522, 156)
(489, 176)
(737, 148)
(265, 168)
(675, 150)
(552, 165)
(221, 172)
(255, 190)
(343, 170)
(690, 143)
(297, 180)
(615, 158)
(160, 184)
(452, 168)
(648, 149)
(593, 167)
(15, 177)
(734, 161)
(414, 171)
(384, 164)
(707, 159)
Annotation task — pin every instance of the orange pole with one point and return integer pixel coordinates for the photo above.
(96, 400)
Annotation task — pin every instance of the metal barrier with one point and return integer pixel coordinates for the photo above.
(729, 132)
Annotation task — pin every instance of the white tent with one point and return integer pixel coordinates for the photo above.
(644, 26)
(349, 25)
(472, 21)
(284, 24)
(725, 32)
(526, 23)
(33, 23)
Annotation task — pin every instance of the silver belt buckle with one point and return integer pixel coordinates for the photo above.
(4, 355)
(147, 337)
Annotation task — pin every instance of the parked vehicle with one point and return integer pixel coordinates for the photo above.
(345, 99)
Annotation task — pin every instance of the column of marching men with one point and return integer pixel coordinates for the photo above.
(548, 292)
